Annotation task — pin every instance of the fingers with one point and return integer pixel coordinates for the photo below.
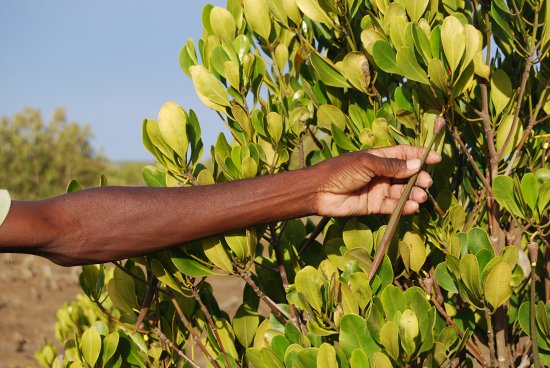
(417, 194)
(405, 152)
(391, 167)
(389, 205)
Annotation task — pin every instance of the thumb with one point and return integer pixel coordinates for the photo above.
(393, 167)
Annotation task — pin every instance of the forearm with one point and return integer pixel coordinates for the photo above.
(104, 224)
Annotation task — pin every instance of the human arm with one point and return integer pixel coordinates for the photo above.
(105, 224)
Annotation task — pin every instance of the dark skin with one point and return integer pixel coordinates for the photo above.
(112, 223)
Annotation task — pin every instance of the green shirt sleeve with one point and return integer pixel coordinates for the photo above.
(5, 203)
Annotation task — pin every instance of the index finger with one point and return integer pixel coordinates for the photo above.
(405, 152)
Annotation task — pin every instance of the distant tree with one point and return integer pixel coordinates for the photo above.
(38, 159)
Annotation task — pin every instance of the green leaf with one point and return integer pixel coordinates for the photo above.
(122, 292)
(453, 40)
(503, 130)
(357, 234)
(359, 359)
(497, 286)
(91, 345)
(110, 345)
(413, 251)
(407, 63)
(172, 122)
(341, 139)
(385, 57)
(192, 268)
(327, 72)
(408, 331)
(257, 16)
(544, 197)
(222, 23)
(313, 10)
(309, 281)
(330, 114)
(389, 337)
(208, 88)
(381, 360)
(354, 334)
(326, 356)
(264, 358)
(444, 278)
(530, 190)
(245, 324)
(355, 67)
(503, 190)
(415, 8)
(238, 245)
(469, 273)
(275, 126)
(501, 90)
(438, 74)
(73, 186)
(153, 177)
(478, 239)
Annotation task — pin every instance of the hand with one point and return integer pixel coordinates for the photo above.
(371, 182)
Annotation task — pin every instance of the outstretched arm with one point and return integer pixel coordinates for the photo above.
(111, 223)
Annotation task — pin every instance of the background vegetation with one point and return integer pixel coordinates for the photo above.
(464, 283)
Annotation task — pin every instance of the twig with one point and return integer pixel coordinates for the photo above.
(117, 321)
(480, 175)
(533, 254)
(196, 338)
(532, 123)
(169, 342)
(280, 314)
(490, 337)
(211, 323)
(149, 294)
(314, 234)
(282, 272)
(473, 349)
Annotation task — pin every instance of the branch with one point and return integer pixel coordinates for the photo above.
(314, 234)
(281, 315)
(196, 338)
(211, 323)
(169, 342)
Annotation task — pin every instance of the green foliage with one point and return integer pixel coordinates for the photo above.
(300, 81)
(28, 149)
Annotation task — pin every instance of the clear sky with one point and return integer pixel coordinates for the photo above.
(108, 63)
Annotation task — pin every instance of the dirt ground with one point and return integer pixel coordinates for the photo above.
(32, 289)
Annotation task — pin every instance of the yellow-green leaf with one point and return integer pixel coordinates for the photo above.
(497, 286)
(415, 8)
(503, 130)
(407, 63)
(222, 23)
(501, 90)
(257, 16)
(313, 10)
(91, 345)
(209, 89)
(326, 356)
(453, 40)
(329, 114)
(172, 122)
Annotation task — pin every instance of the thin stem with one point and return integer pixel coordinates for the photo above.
(533, 251)
(282, 272)
(532, 123)
(491, 338)
(472, 162)
(211, 323)
(280, 314)
(169, 342)
(314, 234)
(149, 294)
(196, 338)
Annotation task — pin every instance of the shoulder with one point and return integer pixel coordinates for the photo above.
(5, 204)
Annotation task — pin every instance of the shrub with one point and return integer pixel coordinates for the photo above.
(465, 282)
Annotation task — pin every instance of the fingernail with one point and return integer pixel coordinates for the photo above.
(413, 164)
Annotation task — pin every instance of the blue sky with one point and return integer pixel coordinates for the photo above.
(108, 63)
